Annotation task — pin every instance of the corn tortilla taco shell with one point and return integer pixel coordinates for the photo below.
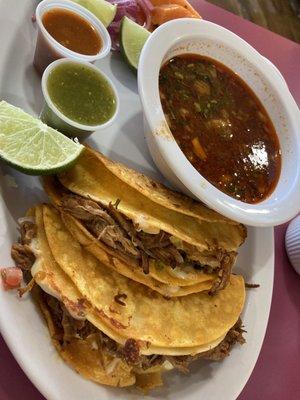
(53, 280)
(189, 321)
(195, 224)
(79, 354)
(207, 236)
(82, 356)
(158, 193)
(84, 359)
(170, 286)
(160, 279)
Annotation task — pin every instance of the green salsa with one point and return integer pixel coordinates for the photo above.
(81, 94)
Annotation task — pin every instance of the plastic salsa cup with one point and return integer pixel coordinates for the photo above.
(55, 118)
(48, 49)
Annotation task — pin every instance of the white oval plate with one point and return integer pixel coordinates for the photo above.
(21, 325)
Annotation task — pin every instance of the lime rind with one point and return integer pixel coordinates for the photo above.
(31, 146)
(132, 40)
(102, 9)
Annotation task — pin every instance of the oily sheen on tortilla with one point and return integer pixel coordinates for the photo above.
(189, 321)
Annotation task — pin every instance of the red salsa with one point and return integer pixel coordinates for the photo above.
(72, 31)
(221, 126)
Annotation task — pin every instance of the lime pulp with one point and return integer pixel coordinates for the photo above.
(132, 40)
(32, 147)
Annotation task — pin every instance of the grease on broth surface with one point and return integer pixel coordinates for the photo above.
(221, 126)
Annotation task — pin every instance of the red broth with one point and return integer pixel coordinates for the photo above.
(221, 126)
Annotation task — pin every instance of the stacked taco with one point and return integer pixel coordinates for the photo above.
(132, 278)
(143, 230)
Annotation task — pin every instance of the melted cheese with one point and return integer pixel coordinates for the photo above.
(141, 224)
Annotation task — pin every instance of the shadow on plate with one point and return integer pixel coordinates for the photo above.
(124, 75)
(248, 258)
(136, 139)
(18, 68)
(19, 191)
(33, 89)
(174, 381)
(200, 372)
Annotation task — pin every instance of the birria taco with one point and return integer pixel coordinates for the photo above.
(143, 230)
(114, 330)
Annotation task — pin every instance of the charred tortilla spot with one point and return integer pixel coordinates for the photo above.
(120, 297)
(113, 321)
(251, 285)
(131, 352)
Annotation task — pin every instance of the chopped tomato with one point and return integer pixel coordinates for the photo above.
(11, 277)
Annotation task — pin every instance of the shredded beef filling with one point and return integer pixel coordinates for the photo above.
(68, 328)
(22, 256)
(21, 252)
(116, 231)
(27, 232)
(111, 227)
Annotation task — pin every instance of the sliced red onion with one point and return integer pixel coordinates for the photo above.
(130, 9)
(113, 30)
(125, 8)
(146, 7)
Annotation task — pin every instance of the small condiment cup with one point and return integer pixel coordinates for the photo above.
(48, 49)
(51, 116)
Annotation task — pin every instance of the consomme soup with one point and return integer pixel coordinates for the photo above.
(221, 126)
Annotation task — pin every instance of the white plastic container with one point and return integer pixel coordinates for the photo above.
(292, 243)
(48, 49)
(57, 120)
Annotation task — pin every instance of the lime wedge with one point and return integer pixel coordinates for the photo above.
(102, 9)
(132, 40)
(31, 146)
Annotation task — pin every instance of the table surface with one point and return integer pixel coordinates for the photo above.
(280, 16)
(276, 374)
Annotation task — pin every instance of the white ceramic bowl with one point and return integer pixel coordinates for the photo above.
(206, 38)
(292, 243)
